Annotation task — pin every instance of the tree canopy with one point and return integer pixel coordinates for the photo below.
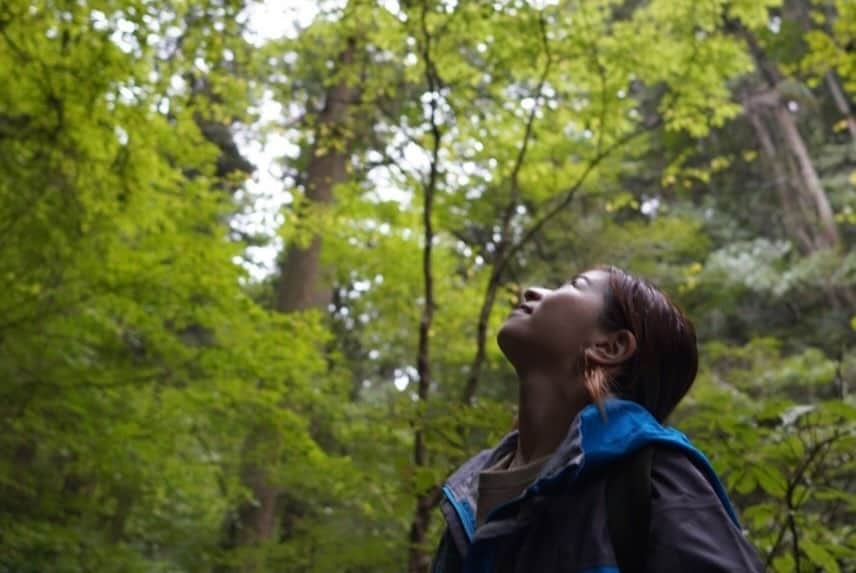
(168, 407)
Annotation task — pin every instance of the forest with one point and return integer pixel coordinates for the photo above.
(255, 256)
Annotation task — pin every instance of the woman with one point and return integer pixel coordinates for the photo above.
(602, 361)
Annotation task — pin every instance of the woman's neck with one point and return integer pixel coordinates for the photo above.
(547, 404)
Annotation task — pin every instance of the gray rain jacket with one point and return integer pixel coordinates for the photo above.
(559, 523)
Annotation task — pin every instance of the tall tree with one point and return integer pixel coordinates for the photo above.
(803, 175)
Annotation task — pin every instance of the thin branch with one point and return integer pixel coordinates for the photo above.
(788, 523)
(502, 247)
(792, 525)
(572, 190)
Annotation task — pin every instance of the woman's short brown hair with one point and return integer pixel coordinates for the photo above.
(664, 366)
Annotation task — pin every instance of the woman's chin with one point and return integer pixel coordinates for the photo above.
(511, 335)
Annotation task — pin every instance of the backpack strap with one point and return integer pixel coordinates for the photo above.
(628, 506)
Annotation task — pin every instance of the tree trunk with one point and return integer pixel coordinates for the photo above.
(793, 218)
(418, 558)
(809, 182)
(299, 288)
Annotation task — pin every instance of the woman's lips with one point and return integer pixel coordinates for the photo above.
(523, 308)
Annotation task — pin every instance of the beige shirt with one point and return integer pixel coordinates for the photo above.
(503, 482)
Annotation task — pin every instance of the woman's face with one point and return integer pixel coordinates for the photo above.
(554, 327)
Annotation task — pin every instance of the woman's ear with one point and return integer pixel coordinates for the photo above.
(612, 349)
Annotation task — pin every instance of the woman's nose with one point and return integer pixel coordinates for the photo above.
(533, 293)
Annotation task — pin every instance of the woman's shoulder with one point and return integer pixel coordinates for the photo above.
(677, 479)
(690, 526)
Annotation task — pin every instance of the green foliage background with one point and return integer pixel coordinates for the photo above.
(139, 356)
